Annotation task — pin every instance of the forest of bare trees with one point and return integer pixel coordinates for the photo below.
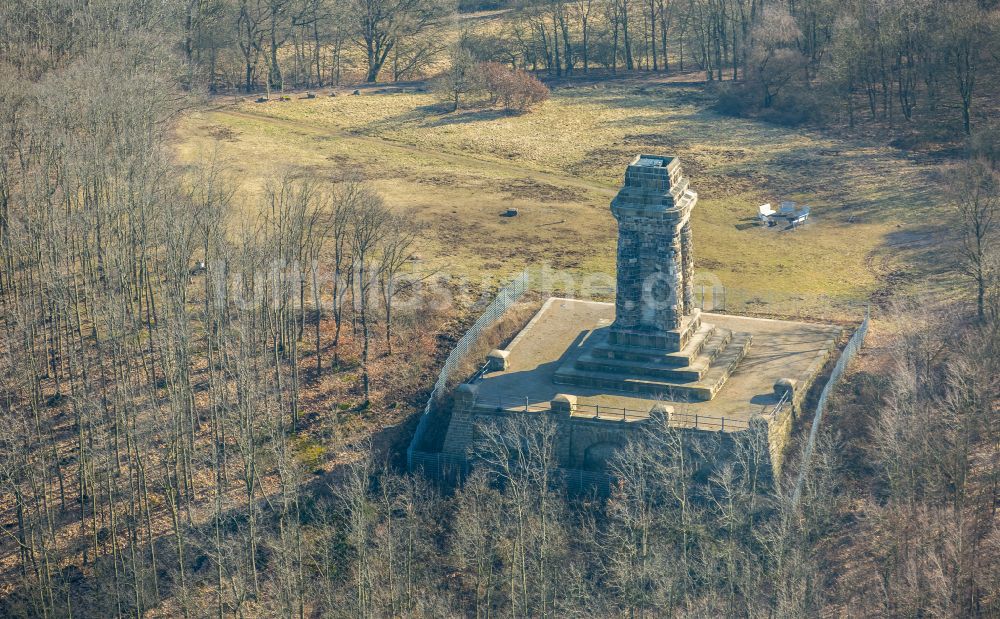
(895, 61)
(182, 383)
(898, 63)
(154, 343)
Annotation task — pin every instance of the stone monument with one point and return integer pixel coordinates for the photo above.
(603, 371)
(654, 303)
(658, 343)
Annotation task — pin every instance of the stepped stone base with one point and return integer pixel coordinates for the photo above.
(695, 372)
(664, 340)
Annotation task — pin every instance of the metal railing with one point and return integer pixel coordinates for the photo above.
(506, 296)
(693, 421)
(850, 351)
(781, 403)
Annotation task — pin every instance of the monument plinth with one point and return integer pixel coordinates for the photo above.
(657, 343)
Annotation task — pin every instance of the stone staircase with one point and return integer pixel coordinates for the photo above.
(694, 373)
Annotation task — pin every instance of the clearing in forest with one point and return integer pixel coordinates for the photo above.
(559, 165)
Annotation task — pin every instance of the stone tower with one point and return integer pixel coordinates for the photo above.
(654, 303)
(657, 344)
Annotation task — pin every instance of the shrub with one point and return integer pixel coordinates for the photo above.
(493, 74)
(985, 144)
(794, 108)
(734, 100)
(516, 90)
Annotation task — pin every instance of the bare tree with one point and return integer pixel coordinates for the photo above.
(368, 229)
(476, 544)
(583, 10)
(462, 78)
(521, 453)
(967, 34)
(774, 61)
(976, 191)
(250, 38)
(396, 249)
(345, 200)
(381, 25)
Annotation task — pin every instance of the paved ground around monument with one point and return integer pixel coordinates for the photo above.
(560, 330)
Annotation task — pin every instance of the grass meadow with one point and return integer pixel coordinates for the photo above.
(872, 206)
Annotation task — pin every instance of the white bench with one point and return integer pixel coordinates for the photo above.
(764, 212)
(801, 216)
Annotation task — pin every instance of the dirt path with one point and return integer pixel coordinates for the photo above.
(456, 159)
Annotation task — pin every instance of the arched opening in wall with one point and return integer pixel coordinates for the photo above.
(597, 456)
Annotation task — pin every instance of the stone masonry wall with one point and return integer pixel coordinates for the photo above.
(655, 253)
(779, 428)
(687, 267)
(584, 444)
(650, 265)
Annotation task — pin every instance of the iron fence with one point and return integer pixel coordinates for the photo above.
(850, 351)
(693, 421)
(506, 297)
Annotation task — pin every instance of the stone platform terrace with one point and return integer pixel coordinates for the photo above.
(604, 371)
(563, 330)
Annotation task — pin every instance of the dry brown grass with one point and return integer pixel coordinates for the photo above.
(561, 165)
